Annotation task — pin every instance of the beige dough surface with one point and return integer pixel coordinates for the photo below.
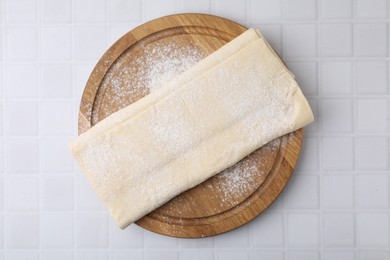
(205, 120)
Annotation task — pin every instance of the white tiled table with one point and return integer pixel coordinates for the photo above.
(337, 205)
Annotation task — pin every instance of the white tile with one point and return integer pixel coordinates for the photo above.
(56, 254)
(306, 76)
(21, 194)
(303, 192)
(20, 11)
(373, 191)
(56, 81)
(21, 80)
(232, 255)
(337, 116)
(86, 198)
(57, 230)
(131, 237)
(22, 231)
(372, 153)
(336, 40)
(22, 150)
(303, 230)
(56, 11)
(194, 6)
(56, 157)
(22, 118)
(92, 230)
(236, 238)
(2, 229)
(21, 43)
(2, 188)
(338, 191)
(161, 255)
(336, 9)
(338, 255)
(268, 230)
(119, 30)
(57, 193)
(56, 43)
(372, 77)
(301, 9)
(271, 255)
(125, 11)
(308, 159)
(206, 242)
(300, 40)
(196, 255)
(153, 240)
(374, 255)
(90, 42)
(273, 34)
(57, 118)
(152, 9)
(313, 128)
(371, 39)
(21, 255)
(231, 9)
(303, 255)
(85, 14)
(372, 115)
(336, 77)
(339, 229)
(373, 230)
(371, 9)
(338, 153)
(91, 255)
(126, 255)
(265, 9)
(82, 72)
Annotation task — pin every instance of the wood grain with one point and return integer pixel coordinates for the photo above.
(210, 208)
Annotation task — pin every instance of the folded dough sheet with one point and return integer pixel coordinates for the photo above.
(208, 118)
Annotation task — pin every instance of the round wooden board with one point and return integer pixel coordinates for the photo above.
(123, 75)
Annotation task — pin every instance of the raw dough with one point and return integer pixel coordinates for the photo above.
(205, 120)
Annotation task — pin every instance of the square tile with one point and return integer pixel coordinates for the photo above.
(339, 229)
(336, 9)
(57, 230)
(296, 223)
(336, 40)
(196, 255)
(373, 191)
(273, 34)
(56, 81)
(265, 10)
(270, 255)
(372, 77)
(303, 255)
(20, 11)
(300, 9)
(306, 76)
(268, 230)
(56, 11)
(21, 255)
(303, 192)
(21, 194)
(22, 231)
(90, 42)
(338, 153)
(194, 6)
(91, 255)
(161, 255)
(22, 118)
(372, 115)
(371, 39)
(56, 254)
(336, 77)
(24, 150)
(153, 240)
(372, 153)
(85, 14)
(126, 255)
(55, 155)
(2, 192)
(338, 191)
(373, 230)
(338, 255)
(21, 43)
(92, 230)
(2, 229)
(373, 255)
(237, 238)
(57, 193)
(86, 198)
(337, 116)
(125, 11)
(300, 41)
(21, 81)
(131, 237)
(232, 255)
(372, 9)
(231, 9)
(57, 118)
(81, 74)
(152, 9)
(56, 43)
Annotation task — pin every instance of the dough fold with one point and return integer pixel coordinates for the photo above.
(208, 118)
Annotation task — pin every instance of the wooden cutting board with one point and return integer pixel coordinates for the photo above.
(157, 51)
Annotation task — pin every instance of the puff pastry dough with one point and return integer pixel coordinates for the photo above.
(205, 120)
